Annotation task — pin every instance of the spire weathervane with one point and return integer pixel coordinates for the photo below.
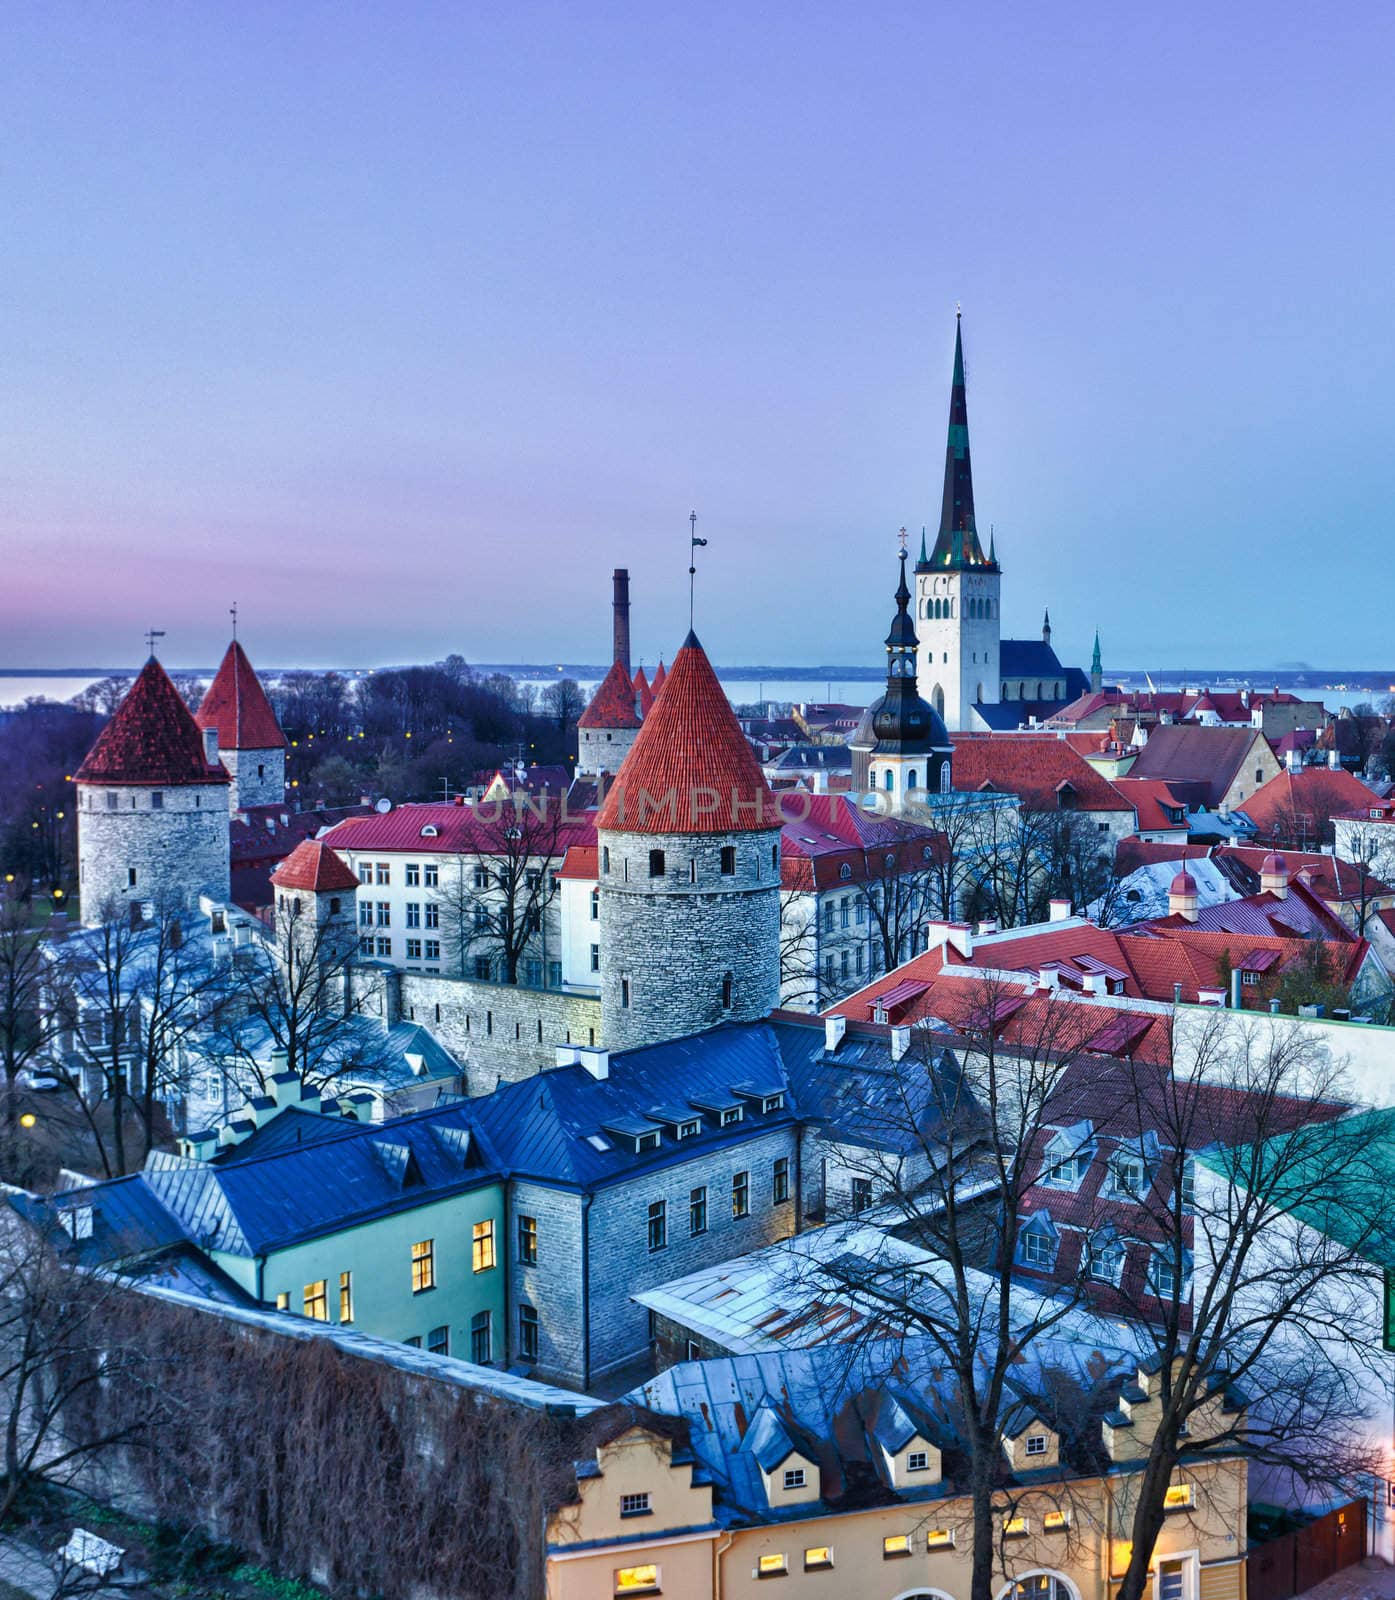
(903, 536)
(151, 635)
(695, 544)
(232, 612)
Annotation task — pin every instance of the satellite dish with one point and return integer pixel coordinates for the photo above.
(383, 806)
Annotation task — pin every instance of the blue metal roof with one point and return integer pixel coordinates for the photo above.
(1027, 658)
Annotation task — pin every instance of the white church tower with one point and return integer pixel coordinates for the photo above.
(957, 603)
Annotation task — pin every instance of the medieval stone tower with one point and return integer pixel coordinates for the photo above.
(315, 910)
(957, 615)
(251, 745)
(607, 728)
(689, 838)
(153, 816)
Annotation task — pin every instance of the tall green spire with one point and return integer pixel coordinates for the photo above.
(924, 559)
(956, 543)
(1095, 664)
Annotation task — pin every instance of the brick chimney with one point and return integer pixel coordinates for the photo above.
(622, 617)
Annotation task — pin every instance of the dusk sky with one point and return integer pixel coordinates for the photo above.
(403, 324)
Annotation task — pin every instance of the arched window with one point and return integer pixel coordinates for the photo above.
(1040, 1586)
(952, 605)
(845, 871)
(910, 779)
(944, 778)
(937, 699)
(887, 781)
(1040, 695)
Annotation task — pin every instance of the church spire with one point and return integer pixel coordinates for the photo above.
(1096, 666)
(1046, 625)
(956, 543)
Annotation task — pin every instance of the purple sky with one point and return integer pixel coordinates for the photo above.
(403, 324)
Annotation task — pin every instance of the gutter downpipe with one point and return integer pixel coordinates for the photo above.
(586, 1290)
(720, 1546)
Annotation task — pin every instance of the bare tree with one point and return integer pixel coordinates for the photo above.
(494, 905)
(899, 893)
(563, 701)
(800, 988)
(26, 1025)
(1255, 1340)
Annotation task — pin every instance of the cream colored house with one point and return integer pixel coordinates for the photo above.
(705, 1505)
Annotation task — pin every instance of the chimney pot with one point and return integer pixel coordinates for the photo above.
(210, 746)
(596, 1062)
(833, 1030)
(900, 1041)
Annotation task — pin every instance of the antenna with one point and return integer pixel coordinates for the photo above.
(151, 635)
(692, 562)
(232, 612)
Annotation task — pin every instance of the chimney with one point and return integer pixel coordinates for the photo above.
(1058, 910)
(210, 746)
(596, 1062)
(1237, 1002)
(1177, 994)
(1293, 760)
(622, 616)
(1274, 1006)
(986, 927)
(1334, 759)
(833, 1030)
(566, 1055)
(900, 1041)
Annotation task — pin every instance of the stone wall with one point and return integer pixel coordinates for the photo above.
(258, 777)
(177, 845)
(602, 749)
(667, 941)
(497, 1031)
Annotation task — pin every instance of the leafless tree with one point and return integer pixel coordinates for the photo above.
(800, 988)
(104, 695)
(1254, 1321)
(563, 701)
(26, 1025)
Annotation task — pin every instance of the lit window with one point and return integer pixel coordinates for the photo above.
(346, 1297)
(1056, 1521)
(794, 1477)
(918, 1461)
(637, 1580)
(741, 1194)
(635, 1505)
(1178, 1497)
(528, 1241)
(939, 1539)
(1015, 1527)
(423, 1265)
(1036, 1444)
(896, 1544)
(482, 1246)
(283, 1301)
(774, 1566)
(316, 1301)
(817, 1556)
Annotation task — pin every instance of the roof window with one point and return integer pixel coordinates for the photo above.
(430, 831)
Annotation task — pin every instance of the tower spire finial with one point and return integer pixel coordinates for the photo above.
(695, 545)
(232, 612)
(956, 543)
(151, 635)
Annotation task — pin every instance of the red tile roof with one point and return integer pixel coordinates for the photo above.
(824, 833)
(313, 866)
(691, 769)
(659, 677)
(1192, 754)
(463, 830)
(1317, 793)
(643, 693)
(581, 863)
(1132, 853)
(1148, 796)
(1327, 877)
(152, 740)
(1034, 766)
(613, 704)
(237, 706)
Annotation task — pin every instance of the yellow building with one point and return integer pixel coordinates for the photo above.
(670, 1507)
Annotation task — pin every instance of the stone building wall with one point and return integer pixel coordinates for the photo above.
(176, 844)
(602, 749)
(258, 777)
(497, 1031)
(671, 938)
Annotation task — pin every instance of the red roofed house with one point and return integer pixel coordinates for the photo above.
(250, 742)
(689, 837)
(1296, 808)
(152, 807)
(1218, 768)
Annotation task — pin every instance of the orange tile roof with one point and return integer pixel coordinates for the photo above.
(237, 706)
(643, 693)
(691, 769)
(613, 704)
(1034, 766)
(1316, 792)
(314, 866)
(152, 740)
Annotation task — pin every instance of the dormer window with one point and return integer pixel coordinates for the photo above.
(689, 1130)
(730, 1115)
(794, 1477)
(918, 1461)
(772, 1102)
(430, 831)
(646, 1141)
(1036, 1444)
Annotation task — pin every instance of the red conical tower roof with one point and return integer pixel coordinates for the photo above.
(690, 770)
(613, 704)
(659, 677)
(643, 693)
(152, 740)
(315, 867)
(237, 706)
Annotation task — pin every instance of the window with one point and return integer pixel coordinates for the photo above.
(1188, 1183)
(635, 1505)
(1170, 1584)
(741, 1194)
(1036, 1444)
(414, 1343)
(918, 1461)
(433, 949)
(482, 1246)
(157, 800)
(384, 914)
(697, 1210)
(1015, 1527)
(413, 949)
(481, 919)
(283, 1301)
(1036, 1248)
(528, 1333)
(772, 1566)
(365, 945)
(637, 1580)
(130, 877)
(1127, 1175)
(794, 1477)
(481, 877)
(365, 913)
(438, 1341)
(728, 860)
(384, 944)
(1106, 1260)
(730, 1114)
(656, 863)
(554, 974)
(625, 994)
(861, 1194)
(532, 972)
(595, 958)
(413, 874)
(658, 1225)
(414, 913)
(431, 879)
(423, 1265)
(482, 1338)
(780, 1180)
(694, 1350)
(528, 1241)
(830, 911)
(818, 1556)
(596, 905)
(382, 873)
(772, 1102)
(482, 969)
(605, 858)
(774, 858)
(111, 800)
(896, 1544)
(939, 1539)
(1178, 1497)
(316, 1301)
(1056, 1521)
(726, 991)
(346, 1297)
